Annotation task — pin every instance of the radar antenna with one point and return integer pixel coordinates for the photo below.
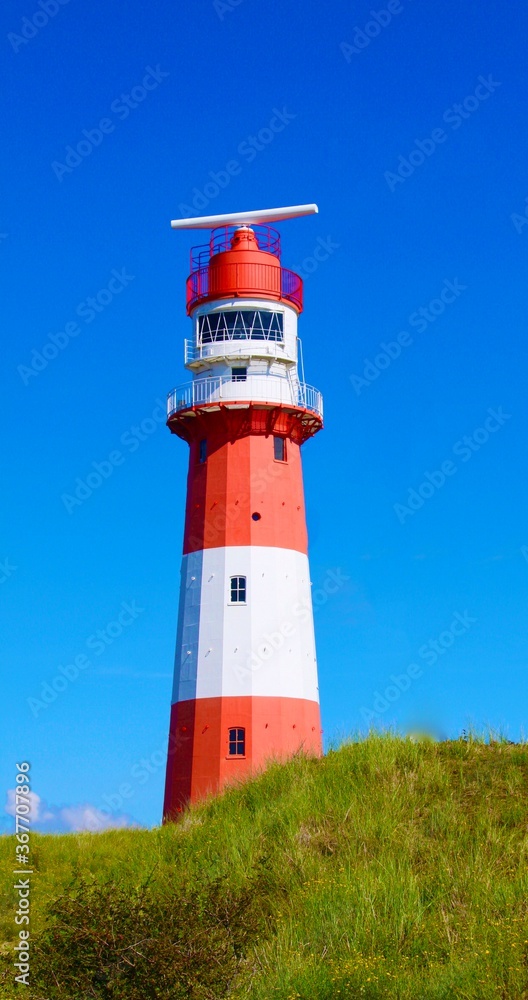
(264, 215)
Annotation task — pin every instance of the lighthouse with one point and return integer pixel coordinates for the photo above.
(245, 675)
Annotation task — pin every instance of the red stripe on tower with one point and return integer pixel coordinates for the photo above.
(245, 677)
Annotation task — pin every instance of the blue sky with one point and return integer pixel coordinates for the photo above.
(410, 133)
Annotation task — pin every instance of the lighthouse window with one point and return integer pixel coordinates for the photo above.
(202, 451)
(237, 742)
(279, 448)
(238, 590)
(241, 324)
(238, 374)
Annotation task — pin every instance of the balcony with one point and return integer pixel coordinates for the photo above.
(271, 390)
(231, 348)
(245, 280)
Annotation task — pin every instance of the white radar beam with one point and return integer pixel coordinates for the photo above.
(245, 218)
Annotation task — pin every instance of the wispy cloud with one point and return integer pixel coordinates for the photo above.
(70, 818)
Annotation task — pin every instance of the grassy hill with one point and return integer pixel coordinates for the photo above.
(387, 869)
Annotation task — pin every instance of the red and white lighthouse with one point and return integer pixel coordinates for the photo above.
(245, 676)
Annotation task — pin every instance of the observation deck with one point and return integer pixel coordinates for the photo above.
(269, 390)
(259, 405)
(242, 262)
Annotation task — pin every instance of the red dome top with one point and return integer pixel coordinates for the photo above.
(244, 239)
(242, 263)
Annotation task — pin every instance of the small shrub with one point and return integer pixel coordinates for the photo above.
(156, 940)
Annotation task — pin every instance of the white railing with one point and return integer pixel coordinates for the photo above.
(256, 388)
(232, 348)
(190, 351)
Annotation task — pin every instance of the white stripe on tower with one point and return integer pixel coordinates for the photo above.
(262, 647)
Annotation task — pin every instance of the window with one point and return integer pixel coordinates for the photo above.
(237, 742)
(238, 374)
(238, 590)
(241, 324)
(202, 451)
(279, 448)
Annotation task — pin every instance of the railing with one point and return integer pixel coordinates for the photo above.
(233, 348)
(270, 389)
(268, 239)
(244, 279)
(191, 351)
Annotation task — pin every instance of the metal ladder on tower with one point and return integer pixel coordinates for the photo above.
(296, 386)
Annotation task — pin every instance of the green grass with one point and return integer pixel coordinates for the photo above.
(389, 868)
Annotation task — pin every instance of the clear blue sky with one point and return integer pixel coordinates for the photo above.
(398, 241)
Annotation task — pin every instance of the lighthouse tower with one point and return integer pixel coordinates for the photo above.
(245, 678)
